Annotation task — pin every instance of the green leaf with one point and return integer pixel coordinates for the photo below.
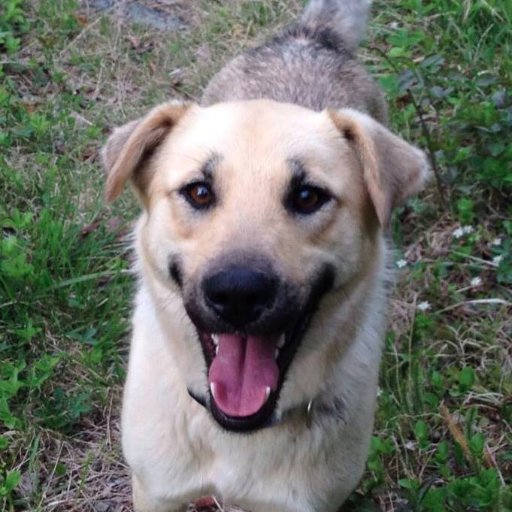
(409, 483)
(397, 52)
(465, 207)
(9, 483)
(477, 444)
(421, 430)
(466, 378)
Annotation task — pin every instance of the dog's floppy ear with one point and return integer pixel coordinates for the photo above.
(393, 169)
(130, 145)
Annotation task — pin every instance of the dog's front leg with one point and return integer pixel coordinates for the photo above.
(144, 503)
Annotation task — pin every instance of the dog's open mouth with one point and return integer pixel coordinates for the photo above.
(244, 372)
(246, 366)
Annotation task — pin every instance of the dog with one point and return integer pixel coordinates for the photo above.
(262, 263)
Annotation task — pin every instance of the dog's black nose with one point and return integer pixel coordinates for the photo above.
(239, 295)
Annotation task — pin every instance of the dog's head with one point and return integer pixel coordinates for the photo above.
(260, 217)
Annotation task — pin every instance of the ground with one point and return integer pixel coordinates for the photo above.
(70, 71)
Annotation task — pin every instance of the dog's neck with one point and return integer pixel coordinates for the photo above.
(324, 407)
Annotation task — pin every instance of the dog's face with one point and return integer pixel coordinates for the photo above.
(257, 213)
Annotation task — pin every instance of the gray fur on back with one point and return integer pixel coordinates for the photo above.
(310, 63)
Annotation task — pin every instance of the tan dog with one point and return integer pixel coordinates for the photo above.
(261, 307)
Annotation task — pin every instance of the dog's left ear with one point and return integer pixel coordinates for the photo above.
(129, 147)
(393, 169)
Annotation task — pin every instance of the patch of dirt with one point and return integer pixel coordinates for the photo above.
(164, 15)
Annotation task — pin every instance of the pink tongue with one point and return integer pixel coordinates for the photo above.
(241, 372)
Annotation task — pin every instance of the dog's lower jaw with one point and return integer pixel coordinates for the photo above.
(320, 408)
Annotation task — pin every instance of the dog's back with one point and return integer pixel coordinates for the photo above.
(311, 63)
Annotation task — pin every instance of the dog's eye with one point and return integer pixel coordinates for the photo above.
(199, 195)
(307, 199)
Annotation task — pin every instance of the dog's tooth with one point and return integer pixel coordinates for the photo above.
(268, 390)
(216, 349)
(212, 389)
(281, 341)
(215, 339)
(276, 353)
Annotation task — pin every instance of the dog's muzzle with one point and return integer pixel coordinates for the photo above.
(250, 323)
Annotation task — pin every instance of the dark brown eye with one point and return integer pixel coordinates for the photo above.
(199, 195)
(307, 199)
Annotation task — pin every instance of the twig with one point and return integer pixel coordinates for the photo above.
(431, 152)
(424, 129)
(86, 29)
(501, 302)
(475, 259)
(52, 474)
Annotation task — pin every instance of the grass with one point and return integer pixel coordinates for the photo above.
(443, 437)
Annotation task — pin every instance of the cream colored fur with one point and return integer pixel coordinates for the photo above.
(174, 448)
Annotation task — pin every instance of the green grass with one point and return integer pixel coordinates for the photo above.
(443, 437)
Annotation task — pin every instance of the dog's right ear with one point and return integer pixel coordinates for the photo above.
(128, 148)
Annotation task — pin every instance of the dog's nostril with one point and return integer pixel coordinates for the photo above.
(240, 295)
(219, 298)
